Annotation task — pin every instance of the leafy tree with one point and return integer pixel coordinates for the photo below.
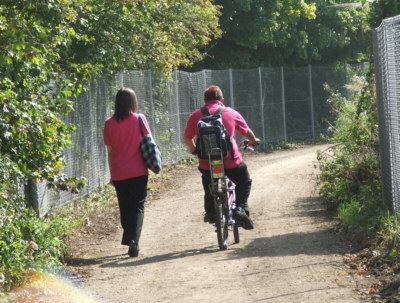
(381, 9)
(33, 96)
(340, 33)
(34, 88)
(158, 35)
(50, 48)
(293, 32)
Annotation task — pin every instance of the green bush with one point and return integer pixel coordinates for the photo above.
(350, 179)
(390, 232)
(28, 243)
(362, 210)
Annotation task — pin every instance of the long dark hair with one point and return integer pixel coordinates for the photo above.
(125, 102)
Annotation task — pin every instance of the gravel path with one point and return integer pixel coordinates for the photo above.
(292, 255)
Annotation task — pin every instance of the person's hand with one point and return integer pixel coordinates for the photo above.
(254, 143)
(111, 182)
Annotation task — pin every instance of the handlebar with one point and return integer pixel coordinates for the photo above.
(245, 145)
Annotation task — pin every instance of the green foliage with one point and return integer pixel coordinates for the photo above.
(27, 243)
(390, 232)
(381, 9)
(362, 210)
(49, 49)
(250, 23)
(350, 170)
(290, 32)
(34, 89)
(130, 35)
(289, 144)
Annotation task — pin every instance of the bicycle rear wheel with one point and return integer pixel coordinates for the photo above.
(222, 225)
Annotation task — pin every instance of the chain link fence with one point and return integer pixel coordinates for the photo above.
(386, 42)
(279, 104)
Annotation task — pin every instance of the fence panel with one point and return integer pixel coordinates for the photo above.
(278, 103)
(246, 95)
(386, 40)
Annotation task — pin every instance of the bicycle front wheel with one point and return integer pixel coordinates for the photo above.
(222, 225)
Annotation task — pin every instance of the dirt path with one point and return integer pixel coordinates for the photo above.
(292, 255)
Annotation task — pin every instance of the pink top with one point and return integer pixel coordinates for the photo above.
(232, 121)
(124, 138)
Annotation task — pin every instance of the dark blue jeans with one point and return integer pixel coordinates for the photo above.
(131, 194)
(240, 177)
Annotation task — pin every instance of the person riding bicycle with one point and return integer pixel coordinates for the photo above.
(235, 168)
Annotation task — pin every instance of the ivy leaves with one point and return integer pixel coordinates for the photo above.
(49, 49)
(32, 135)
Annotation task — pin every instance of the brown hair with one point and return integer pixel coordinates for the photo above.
(213, 92)
(125, 102)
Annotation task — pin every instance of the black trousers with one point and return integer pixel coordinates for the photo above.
(131, 194)
(239, 176)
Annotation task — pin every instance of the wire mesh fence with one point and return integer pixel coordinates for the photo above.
(386, 42)
(278, 103)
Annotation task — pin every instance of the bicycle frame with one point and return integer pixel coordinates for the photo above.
(223, 192)
(221, 186)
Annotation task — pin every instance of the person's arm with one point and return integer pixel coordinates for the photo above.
(109, 149)
(253, 141)
(190, 144)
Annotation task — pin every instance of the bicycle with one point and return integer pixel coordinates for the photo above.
(223, 192)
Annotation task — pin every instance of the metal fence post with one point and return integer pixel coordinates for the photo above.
(152, 112)
(231, 88)
(178, 118)
(32, 195)
(203, 72)
(91, 165)
(283, 104)
(311, 100)
(120, 80)
(346, 77)
(261, 104)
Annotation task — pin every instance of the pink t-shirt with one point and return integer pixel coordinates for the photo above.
(124, 138)
(232, 121)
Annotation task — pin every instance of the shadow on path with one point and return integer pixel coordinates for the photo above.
(160, 258)
(76, 262)
(122, 260)
(320, 239)
(292, 244)
(319, 242)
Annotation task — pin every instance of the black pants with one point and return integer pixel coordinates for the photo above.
(131, 194)
(240, 177)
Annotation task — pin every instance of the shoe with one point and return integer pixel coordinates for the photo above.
(133, 249)
(209, 218)
(240, 215)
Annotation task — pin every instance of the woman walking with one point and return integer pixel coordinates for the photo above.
(129, 174)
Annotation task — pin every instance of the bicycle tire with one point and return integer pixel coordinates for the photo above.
(236, 233)
(221, 223)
